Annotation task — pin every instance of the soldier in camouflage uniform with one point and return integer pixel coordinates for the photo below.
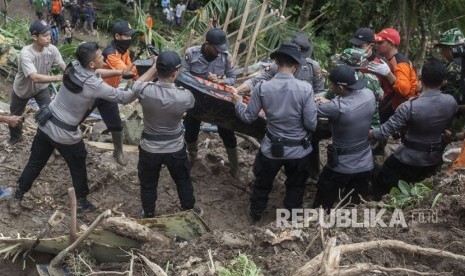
(447, 41)
(357, 59)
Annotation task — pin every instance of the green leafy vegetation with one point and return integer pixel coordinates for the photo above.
(406, 195)
(241, 266)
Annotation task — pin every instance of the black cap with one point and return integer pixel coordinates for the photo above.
(168, 61)
(363, 35)
(217, 37)
(123, 27)
(289, 49)
(346, 76)
(304, 43)
(39, 26)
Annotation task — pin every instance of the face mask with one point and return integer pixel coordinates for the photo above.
(206, 55)
(122, 45)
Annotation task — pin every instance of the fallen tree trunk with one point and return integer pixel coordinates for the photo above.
(130, 228)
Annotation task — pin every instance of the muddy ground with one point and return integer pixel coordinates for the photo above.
(225, 201)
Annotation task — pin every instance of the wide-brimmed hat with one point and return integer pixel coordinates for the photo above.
(289, 49)
(306, 47)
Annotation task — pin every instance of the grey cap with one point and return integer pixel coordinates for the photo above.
(39, 26)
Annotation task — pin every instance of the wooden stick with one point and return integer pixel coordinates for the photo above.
(55, 262)
(153, 266)
(226, 22)
(245, 16)
(254, 36)
(73, 223)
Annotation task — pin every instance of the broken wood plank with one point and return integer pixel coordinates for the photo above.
(109, 146)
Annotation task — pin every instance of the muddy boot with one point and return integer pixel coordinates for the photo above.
(255, 217)
(14, 204)
(192, 150)
(233, 161)
(117, 137)
(84, 205)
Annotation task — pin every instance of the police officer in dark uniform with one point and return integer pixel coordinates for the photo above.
(350, 160)
(425, 118)
(211, 61)
(163, 105)
(58, 123)
(291, 118)
(309, 71)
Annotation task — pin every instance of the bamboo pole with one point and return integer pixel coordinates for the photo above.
(240, 16)
(191, 36)
(283, 7)
(226, 22)
(241, 29)
(265, 29)
(250, 24)
(254, 36)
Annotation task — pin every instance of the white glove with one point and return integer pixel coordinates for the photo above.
(379, 68)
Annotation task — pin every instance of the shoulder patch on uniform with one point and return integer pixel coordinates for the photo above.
(268, 68)
(186, 57)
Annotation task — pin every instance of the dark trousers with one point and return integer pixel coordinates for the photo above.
(265, 170)
(331, 184)
(18, 105)
(394, 170)
(109, 112)
(57, 19)
(320, 134)
(192, 126)
(42, 148)
(149, 167)
(385, 111)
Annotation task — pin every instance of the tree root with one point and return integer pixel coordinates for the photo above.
(327, 262)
